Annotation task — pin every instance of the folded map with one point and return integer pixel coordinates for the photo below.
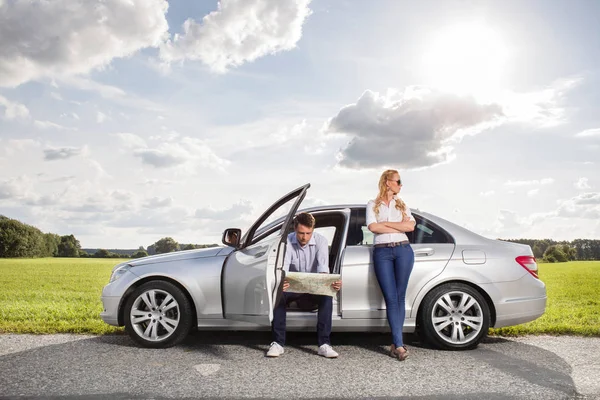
(313, 283)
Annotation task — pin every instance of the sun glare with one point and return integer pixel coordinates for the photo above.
(469, 58)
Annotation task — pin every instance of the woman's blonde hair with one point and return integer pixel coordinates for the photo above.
(387, 176)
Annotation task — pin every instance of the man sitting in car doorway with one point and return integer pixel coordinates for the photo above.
(306, 251)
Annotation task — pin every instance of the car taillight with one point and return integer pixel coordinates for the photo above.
(528, 262)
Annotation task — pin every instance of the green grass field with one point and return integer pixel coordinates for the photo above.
(53, 295)
(60, 295)
(573, 305)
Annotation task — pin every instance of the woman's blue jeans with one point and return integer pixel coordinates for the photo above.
(393, 266)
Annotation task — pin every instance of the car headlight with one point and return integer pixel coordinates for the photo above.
(118, 272)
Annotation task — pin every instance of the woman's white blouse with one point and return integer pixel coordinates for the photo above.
(386, 214)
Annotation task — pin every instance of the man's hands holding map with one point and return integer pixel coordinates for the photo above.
(303, 282)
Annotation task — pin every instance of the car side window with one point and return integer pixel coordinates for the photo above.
(328, 232)
(367, 236)
(428, 232)
(425, 232)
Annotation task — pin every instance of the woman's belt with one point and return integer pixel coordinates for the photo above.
(391, 244)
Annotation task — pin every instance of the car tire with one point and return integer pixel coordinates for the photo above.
(158, 315)
(454, 316)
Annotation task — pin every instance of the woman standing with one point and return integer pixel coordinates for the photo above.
(389, 218)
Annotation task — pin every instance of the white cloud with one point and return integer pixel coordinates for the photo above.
(162, 158)
(587, 199)
(582, 184)
(98, 169)
(167, 137)
(286, 133)
(66, 38)
(543, 108)
(488, 193)
(64, 178)
(410, 129)
(585, 205)
(12, 146)
(100, 117)
(234, 212)
(63, 153)
(532, 192)
(157, 202)
(534, 182)
(82, 83)
(156, 182)
(12, 188)
(122, 195)
(589, 133)
(130, 140)
(12, 110)
(189, 152)
(507, 224)
(51, 125)
(313, 202)
(239, 31)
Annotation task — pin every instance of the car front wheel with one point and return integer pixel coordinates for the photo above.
(158, 315)
(454, 317)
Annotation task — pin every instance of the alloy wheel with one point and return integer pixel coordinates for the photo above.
(155, 315)
(457, 317)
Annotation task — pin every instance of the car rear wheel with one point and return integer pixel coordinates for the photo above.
(158, 315)
(454, 316)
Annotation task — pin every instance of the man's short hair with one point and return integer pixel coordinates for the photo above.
(305, 219)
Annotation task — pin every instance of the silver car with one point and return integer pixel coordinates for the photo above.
(461, 284)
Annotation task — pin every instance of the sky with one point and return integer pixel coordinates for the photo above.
(125, 121)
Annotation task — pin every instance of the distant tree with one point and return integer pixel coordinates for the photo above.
(166, 245)
(555, 253)
(69, 246)
(139, 254)
(20, 240)
(537, 251)
(103, 253)
(188, 247)
(51, 241)
(152, 249)
(587, 249)
(569, 251)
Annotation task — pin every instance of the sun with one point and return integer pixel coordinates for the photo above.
(467, 58)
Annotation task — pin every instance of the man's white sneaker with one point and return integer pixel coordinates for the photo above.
(327, 351)
(275, 350)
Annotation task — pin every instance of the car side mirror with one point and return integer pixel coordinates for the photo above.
(231, 237)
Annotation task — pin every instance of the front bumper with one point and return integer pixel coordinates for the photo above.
(110, 315)
(112, 297)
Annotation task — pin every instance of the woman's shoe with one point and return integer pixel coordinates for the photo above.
(401, 353)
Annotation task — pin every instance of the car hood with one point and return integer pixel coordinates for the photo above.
(180, 255)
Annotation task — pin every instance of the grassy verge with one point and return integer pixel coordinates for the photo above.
(60, 295)
(573, 305)
(53, 295)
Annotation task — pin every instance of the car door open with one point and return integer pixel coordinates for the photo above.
(251, 280)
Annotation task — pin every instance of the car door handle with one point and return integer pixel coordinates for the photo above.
(424, 252)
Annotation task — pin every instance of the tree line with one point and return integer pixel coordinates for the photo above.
(19, 240)
(549, 250)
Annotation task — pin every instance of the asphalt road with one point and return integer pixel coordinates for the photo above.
(232, 365)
